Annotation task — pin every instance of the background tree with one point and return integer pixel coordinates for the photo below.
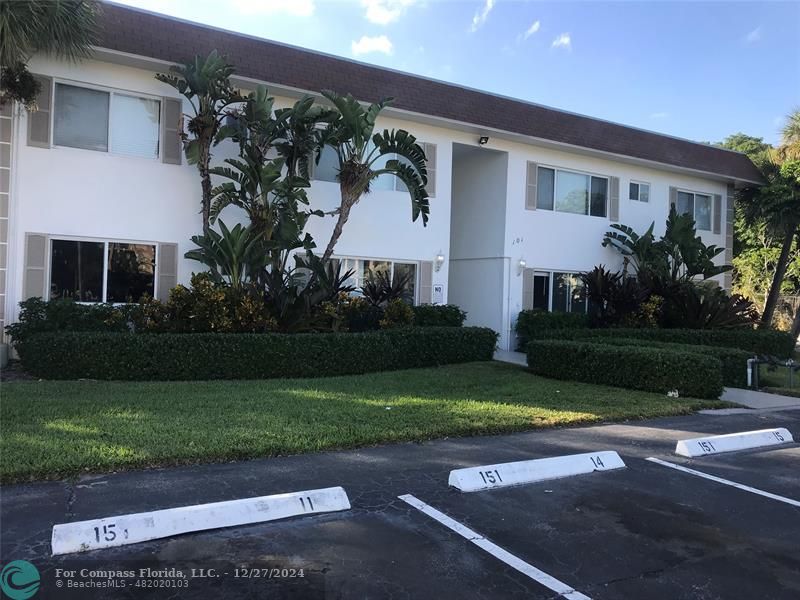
(359, 151)
(775, 207)
(65, 28)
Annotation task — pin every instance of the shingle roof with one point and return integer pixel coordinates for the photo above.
(164, 38)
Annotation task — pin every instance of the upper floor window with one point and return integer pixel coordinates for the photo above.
(639, 191)
(568, 191)
(106, 121)
(697, 205)
(100, 271)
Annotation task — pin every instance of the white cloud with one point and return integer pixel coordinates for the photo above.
(531, 30)
(659, 115)
(295, 8)
(367, 44)
(383, 12)
(753, 36)
(481, 15)
(562, 41)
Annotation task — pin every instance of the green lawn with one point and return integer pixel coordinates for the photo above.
(53, 429)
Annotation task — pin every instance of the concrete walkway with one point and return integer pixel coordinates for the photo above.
(754, 399)
(515, 358)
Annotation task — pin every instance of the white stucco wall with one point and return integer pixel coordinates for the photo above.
(82, 193)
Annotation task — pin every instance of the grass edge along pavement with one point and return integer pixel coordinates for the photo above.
(55, 429)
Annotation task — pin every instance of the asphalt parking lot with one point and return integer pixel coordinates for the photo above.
(645, 531)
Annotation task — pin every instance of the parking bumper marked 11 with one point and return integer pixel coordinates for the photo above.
(487, 477)
(732, 442)
(740, 486)
(121, 530)
(550, 582)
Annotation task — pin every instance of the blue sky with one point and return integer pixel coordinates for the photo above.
(699, 70)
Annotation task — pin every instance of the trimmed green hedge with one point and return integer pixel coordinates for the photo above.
(197, 356)
(772, 343)
(438, 315)
(638, 368)
(532, 323)
(734, 361)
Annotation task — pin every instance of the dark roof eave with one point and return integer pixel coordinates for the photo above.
(137, 32)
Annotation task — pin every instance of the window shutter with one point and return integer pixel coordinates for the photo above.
(527, 289)
(171, 143)
(530, 187)
(717, 216)
(167, 270)
(430, 163)
(425, 282)
(39, 121)
(33, 277)
(673, 198)
(613, 199)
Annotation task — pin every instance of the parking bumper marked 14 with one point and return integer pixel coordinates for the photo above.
(121, 530)
(731, 442)
(550, 582)
(487, 477)
(740, 486)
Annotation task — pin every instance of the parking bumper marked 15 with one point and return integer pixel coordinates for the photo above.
(740, 486)
(550, 582)
(731, 442)
(487, 477)
(121, 530)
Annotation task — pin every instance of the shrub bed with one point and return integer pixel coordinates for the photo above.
(633, 367)
(197, 356)
(772, 343)
(734, 361)
(532, 324)
(438, 315)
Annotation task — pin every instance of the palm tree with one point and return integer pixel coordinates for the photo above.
(777, 205)
(789, 148)
(66, 28)
(205, 83)
(351, 134)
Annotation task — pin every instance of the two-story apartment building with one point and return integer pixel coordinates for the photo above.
(97, 203)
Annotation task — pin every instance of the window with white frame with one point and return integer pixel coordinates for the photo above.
(106, 121)
(571, 192)
(697, 205)
(558, 292)
(639, 191)
(101, 271)
(365, 269)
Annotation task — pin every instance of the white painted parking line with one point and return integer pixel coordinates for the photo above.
(740, 486)
(732, 442)
(141, 527)
(550, 582)
(487, 477)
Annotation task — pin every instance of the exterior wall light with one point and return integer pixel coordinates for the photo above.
(438, 261)
(522, 264)
(483, 140)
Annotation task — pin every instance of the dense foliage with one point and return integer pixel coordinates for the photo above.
(93, 355)
(734, 360)
(532, 324)
(639, 368)
(762, 342)
(438, 315)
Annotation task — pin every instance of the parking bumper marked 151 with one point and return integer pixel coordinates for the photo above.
(486, 477)
(733, 441)
(740, 486)
(550, 582)
(141, 527)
